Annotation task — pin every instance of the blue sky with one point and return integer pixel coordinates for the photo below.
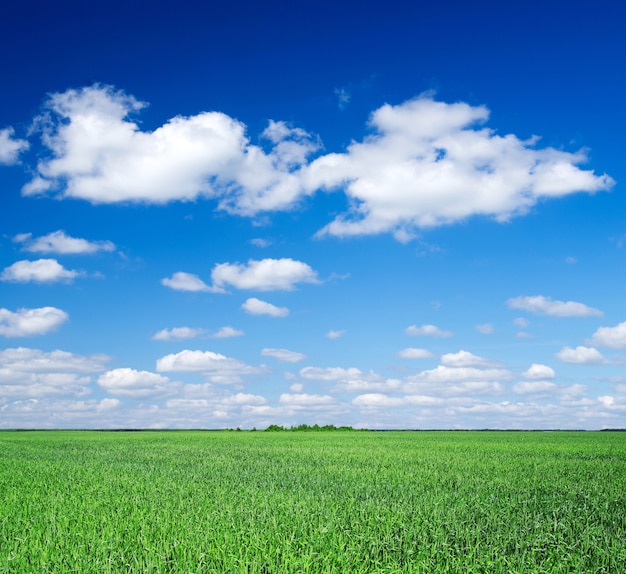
(386, 215)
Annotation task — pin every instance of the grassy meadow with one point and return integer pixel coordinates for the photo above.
(290, 502)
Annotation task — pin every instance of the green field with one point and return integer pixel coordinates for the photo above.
(192, 501)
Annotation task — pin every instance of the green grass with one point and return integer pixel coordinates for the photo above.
(458, 502)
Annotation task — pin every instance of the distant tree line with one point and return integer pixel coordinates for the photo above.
(308, 428)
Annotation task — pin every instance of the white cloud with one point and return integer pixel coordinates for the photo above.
(264, 275)
(429, 163)
(30, 322)
(533, 387)
(537, 371)
(260, 242)
(100, 155)
(226, 333)
(10, 148)
(31, 373)
(39, 271)
(58, 242)
(305, 400)
(182, 281)
(331, 373)
(177, 333)
(283, 355)
(466, 359)
(541, 305)
(136, 384)
(485, 329)
(521, 322)
(580, 356)
(218, 368)
(413, 353)
(335, 334)
(427, 330)
(612, 337)
(255, 306)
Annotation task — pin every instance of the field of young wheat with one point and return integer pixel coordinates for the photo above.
(340, 502)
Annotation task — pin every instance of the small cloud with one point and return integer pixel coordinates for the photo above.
(580, 356)
(612, 337)
(296, 387)
(177, 334)
(537, 371)
(521, 322)
(182, 281)
(485, 329)
(413, 353)
(427, 331)
(259, 242)
(283, 355)
(343, 97)
(533, 387)
(466, 359)
(571, 260)
(39, 271)
(136, 384)
(255, 306)
(58, 242)
(541, 305)
(226, 333)
(336, 334)
(30, 322)
(10, 148)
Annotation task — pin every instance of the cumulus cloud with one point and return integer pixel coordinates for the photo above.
(283, 355)
(10, 148)
(177, 333)
(335, 334)
(580, 356)
(136, 384)
(39, 271)
(612, 337)
(59, 242)
(181, 281)
(466, 359)
(413, 353)
(331, 373)
(29, 373)
(30, 322)
(264, 275)
(254, 306)
(426, 163)
(218, 368)
(541, 305)
(533, 387)
(427, 330)
(99, 154)
(537, 371)
(305, 400)
(430, 163)
(226, 333)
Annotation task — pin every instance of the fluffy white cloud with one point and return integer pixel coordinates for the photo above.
(430, 163)
(612, 337)
(177, 333)
(10, 148)
(453, 381)
(466, 359)
(541, 305)
(100, 155)
(39, 271)
(264, 275)
(427, 330)
(580, 356)
(226, 333)
(182, 281)
(31, 373)
(283, 355)
(413, 353)
(305, 400)
(136, 384)
(255, 306)
(59, 242)
(537, 371)
(533, 387)
(30, 322)
(335, 334)
(331, 373)
(381, 400)
(218, 368)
